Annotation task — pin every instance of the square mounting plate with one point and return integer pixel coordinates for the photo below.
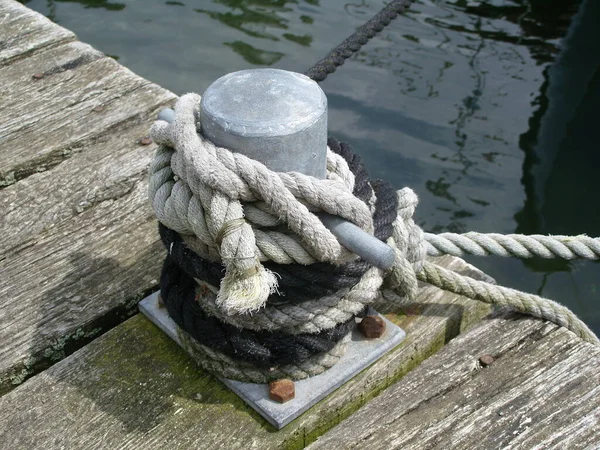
(360, 354)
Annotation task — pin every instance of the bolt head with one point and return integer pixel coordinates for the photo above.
(38, 76)
(145, 141)
(372, 327)
(486, 360)
(282, 390)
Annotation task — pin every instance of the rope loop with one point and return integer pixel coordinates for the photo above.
(212, 195)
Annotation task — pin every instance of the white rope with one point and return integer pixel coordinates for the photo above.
(198, 189)
(225, 206)
(542, 308)
(519, 245)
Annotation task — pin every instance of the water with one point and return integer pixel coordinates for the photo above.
(484, 108)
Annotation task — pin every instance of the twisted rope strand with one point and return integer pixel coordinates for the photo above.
(233, 369)
(519, 245)
(542, 308)
(354, 42)
(297, 282)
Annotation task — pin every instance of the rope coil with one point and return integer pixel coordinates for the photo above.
(199, 189)
(264, 289)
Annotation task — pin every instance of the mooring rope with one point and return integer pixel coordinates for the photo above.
(263, 350)
(521, 246)
(533, 305)
(354, 42)
(201, 193)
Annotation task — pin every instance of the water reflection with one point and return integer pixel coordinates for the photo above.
(302, 40)
(262, 19)
(477, 32)
(253, 17)
(557, 144)
(253, 55)
(537, 27)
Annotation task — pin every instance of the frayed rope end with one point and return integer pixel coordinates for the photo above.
(243, 293)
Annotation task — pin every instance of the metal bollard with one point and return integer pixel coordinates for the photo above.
(280, 119)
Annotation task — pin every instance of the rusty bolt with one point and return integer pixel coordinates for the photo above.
(38, 76)
(282, 390)
(98, 109)
(486, 360)
(145, 141)
(372, 327)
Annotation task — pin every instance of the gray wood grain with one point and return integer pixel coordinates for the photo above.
(23, 31)
(103, 171)
(70, 275)
(78, 243)
(134, 388)
(542, 392)
(83, 97)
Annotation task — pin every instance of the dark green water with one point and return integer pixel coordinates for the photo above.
(487, 109)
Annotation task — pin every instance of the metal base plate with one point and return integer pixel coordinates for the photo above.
(359, 355)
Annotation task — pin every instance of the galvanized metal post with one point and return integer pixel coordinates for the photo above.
(280, 119)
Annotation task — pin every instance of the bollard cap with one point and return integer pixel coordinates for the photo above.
(270, 115)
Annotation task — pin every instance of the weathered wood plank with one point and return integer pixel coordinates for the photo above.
(542, 391)
(78, 244)
(63, 280)
(74, 253)
(82, 97)
(134, 388)
(104, 171)
(23, 31)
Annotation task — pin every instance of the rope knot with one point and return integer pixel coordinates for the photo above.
(408, 241)
(234, 210)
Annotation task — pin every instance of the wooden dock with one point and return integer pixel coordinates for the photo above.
(80, 369)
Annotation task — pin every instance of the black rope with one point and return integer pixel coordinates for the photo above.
(298, 283)
(262, 348)
(353, 43)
